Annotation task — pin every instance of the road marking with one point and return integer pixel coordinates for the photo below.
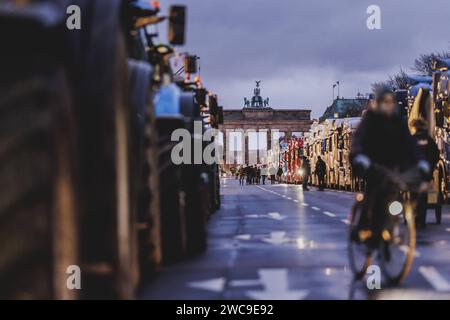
(283, 196)
(315, 208)
(305, 204)
(448, 229)
(276, 287)
(275, 216)
(276, 238)
(346, 221)
(243, 237)
(330, 214)
(437, 281)
(245, 283)
(289, 198)
(216, 284)
(295, 200)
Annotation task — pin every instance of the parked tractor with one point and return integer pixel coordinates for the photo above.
(88, 184)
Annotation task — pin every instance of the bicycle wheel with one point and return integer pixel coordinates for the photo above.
(398, 245)
(360, 256)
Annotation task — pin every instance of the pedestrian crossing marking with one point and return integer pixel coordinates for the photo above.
(437, 281)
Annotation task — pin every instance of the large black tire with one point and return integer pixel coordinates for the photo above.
(145, 173)
(172, 194)
(37, 186)
(38, 230)
(108, 225)
(197, 188)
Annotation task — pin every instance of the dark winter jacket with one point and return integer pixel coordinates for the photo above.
(321, 168)
(386, 141)
(428, 148)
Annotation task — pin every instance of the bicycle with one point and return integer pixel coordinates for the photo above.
(390, 233)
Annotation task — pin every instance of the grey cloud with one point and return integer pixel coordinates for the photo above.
(298, 48)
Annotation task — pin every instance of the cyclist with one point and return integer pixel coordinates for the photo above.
(382, 138)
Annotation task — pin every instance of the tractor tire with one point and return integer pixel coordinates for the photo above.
(196, 185)
(145, 174)
(108, 224)
(38, 229)
(172, 194)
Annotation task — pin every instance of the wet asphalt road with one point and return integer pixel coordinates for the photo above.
(279, 242)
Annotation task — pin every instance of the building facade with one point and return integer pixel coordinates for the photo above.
(251, 135)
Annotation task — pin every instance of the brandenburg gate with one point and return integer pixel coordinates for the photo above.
(259, 126)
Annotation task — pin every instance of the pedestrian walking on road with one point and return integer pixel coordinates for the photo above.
(258, 175)
(429, 152)
(306, 171)
(272, 172)
(264, 173)
(248, 174)
(321, 171)
(279, 174)
(241, 174)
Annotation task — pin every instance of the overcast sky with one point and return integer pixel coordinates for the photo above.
(298, 48)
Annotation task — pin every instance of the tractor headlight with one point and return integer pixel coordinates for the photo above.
(395, 208)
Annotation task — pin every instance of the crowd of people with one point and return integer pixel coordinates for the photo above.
(259, 174)
(253, 174)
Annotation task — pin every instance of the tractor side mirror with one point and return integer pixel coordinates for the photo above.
(201, 95)
(220, 115)
(177, 25)
(213, 105)
(190, 64)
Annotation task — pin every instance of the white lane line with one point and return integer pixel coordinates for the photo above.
(289, 198)
(305, 204)
(315, 208)
(245, 283)
(330, 214)
(283, 196)
(346, 221)
(295, 200)
(437, 281)
(243, 237)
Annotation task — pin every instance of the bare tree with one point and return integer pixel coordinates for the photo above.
(424, 64)
(380, 86)
(398, 80)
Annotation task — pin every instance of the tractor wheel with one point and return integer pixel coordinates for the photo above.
(38, 229)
